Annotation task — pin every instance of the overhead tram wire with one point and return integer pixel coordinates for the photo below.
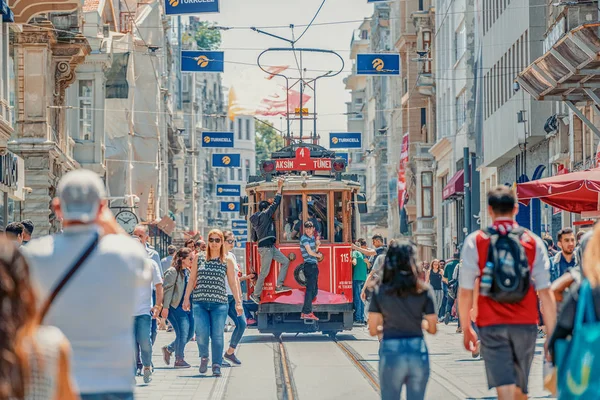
(439, 51)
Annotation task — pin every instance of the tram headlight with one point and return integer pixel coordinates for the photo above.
(267, 167)
(338, 165)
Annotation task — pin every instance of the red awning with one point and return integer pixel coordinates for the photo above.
(456, 185)
(574, 192)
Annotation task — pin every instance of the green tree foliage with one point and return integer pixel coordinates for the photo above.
(206, 38)
(268, 140)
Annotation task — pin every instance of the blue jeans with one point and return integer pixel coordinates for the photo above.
(183, 325)
(154, 329)
(107, 396)
(359, 306)
(403, 362)
(442, 311)
(141, 331)
(210, 321)
(249, 308)
(240, 323)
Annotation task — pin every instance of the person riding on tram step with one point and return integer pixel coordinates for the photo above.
(265, 234)
(309, 248)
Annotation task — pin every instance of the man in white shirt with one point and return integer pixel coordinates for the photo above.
(94, 309)
(141, 232)
(143, 318)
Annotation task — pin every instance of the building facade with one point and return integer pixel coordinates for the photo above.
(46, 52)
(558, 83)
(12, 176)
(456, 98)
(514, 139)
(412, 129)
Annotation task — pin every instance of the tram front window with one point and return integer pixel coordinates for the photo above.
(292, 217)
(317, 214)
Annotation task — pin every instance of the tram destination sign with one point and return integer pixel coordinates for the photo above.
(303, 162)
(178, 7)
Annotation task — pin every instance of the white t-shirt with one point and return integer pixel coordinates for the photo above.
(94, 309)
(237, 270)
(143, 303)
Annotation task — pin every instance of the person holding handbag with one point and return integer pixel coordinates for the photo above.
(175, 283)
(35, 358)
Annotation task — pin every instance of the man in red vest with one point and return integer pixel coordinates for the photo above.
(508, 331)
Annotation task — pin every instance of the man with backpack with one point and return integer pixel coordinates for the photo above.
(505, 265)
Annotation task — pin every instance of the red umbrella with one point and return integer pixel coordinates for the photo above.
(575, 192)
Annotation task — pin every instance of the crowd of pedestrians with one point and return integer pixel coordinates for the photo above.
(501, 288)
(56, 290)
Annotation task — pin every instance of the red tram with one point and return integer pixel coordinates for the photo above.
(314, 190)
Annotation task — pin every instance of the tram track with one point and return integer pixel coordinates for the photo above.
(366, 370)
(286, 387)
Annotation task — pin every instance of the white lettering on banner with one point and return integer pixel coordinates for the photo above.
(284, 164)
(197, 1)
(227, 140)
(322, 163)
(349, 140)
(229, 190)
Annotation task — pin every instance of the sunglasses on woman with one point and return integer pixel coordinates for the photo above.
(214, 240)
(230, 241)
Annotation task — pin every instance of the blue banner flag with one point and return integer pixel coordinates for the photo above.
(345, 140)
(230, 206)
(226, 160)
(345, 156)
(378, 64)
(217, 139)
(178, 7)
(239, 224)
(229, 190)
(240, 232)
(241, 245)
(202, 61)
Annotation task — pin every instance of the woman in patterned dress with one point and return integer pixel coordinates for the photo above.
(34, 359)
(209, 300)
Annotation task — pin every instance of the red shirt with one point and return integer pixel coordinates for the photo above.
(490, 312)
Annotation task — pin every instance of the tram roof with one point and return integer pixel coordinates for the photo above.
(305, 183)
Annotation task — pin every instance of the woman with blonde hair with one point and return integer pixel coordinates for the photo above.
(34, 359)
(209, 300)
